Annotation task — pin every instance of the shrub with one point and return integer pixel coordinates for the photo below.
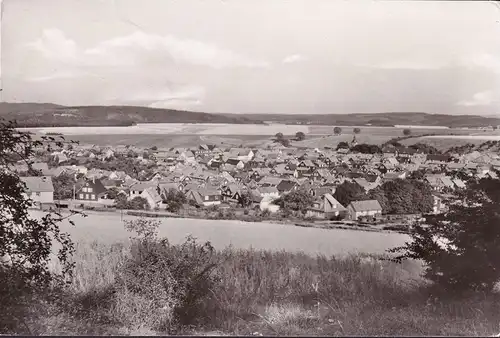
(160, 285)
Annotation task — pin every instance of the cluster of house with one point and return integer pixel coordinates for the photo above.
(209, 175)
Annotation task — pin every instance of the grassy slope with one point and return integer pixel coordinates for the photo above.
(382, 119)
(32, 114)
(273, 294)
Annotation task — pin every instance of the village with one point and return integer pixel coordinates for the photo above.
(252, 181)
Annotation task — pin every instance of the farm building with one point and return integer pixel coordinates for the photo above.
(326, 207)
(358, 209)
(204, 197)
(39, 189)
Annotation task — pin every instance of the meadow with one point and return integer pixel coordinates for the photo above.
(327, 289)
(108, 228)
(187, 135)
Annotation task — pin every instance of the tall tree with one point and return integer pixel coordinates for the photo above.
(348, 192)
(460, 249)
(26, 243)
(63, 186)
(356, 130)
(337, 131)
(300, 136)
(407, 132)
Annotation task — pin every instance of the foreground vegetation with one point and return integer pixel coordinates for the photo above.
(146, 287)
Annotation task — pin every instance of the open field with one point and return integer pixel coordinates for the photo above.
(444, 142)
(108, 228)
(170, 140)
(187, 135)
(239, 129)
(269, 292)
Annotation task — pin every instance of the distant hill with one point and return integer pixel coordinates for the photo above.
(51, 115)
(382, 119)
(48, 115)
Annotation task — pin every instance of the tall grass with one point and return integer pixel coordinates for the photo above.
(277, 293)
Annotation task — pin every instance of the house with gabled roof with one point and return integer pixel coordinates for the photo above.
(89, 190)
(326, 207)
(269, 181)
(235, 162)
(286, 186)
(204, 197)
(153, 197)
(138, 188)
(39, 189)
(367, 208)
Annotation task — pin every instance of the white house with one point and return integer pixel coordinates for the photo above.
(358, 209)
(268, 192)
(39, 189)
(153, 197)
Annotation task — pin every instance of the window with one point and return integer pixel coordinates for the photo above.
(86, 196)
(206, 198)
(80, 196)
(84, 189)
(92, 196)
(90, 189)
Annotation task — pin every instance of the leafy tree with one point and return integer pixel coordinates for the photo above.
(138, 203)
(175, 199)
(337, 131)
(297, 200)
(113, 193)
(367, 149)
(424, 148)
(279, 136)
(404, 197)
(300, 136)
(121, 202)
(348, 192)
(63, 186)
(342, 145)
(356, 130)
(418, 174)
(246, 199)
(460, 248)
(26, 243)
(406, 132)
(285, 142)
(154, 148)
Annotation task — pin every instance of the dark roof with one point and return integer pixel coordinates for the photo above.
(367, 205)
(285, 185)
(38, 184)
(437, 157)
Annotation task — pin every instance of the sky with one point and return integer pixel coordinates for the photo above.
(255, 56)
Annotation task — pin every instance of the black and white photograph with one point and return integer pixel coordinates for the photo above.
(250, 168)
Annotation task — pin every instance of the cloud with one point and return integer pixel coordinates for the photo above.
(485, 98)
(186, 93)
(130, 50)
(54, 45)
(57, 76)
(293, 58)
(483, 60)
(407, 64)
(176, 104)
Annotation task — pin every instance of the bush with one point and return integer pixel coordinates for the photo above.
(161, 286)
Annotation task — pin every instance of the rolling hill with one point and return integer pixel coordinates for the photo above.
(51, 115)
(382, 119)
